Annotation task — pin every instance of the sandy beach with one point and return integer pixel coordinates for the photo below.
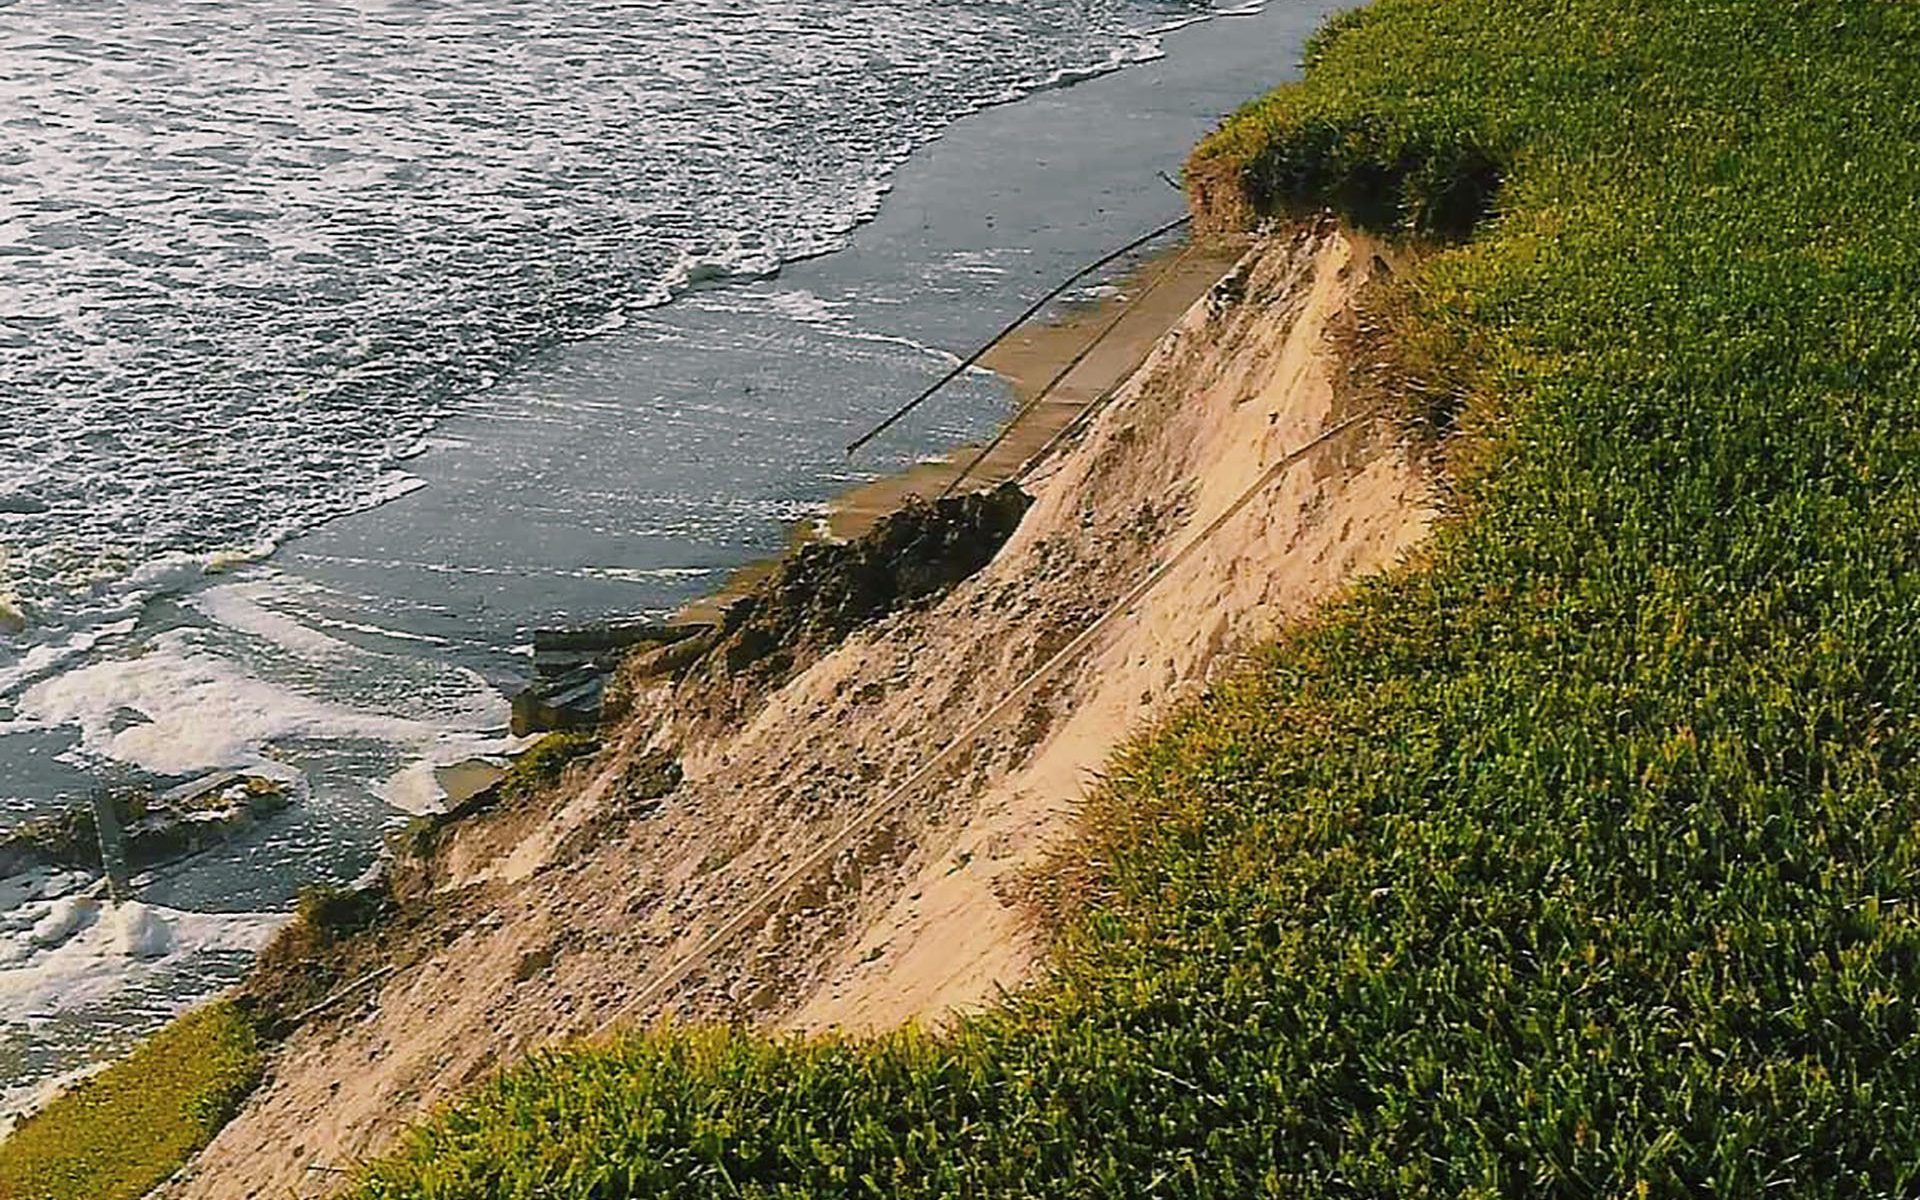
(1096, 345)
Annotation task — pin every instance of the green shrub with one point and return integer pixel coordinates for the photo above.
(317, 951)
(323, 916)
(418, 838)
(118, 1133)
(334, 912)
(1582, 861)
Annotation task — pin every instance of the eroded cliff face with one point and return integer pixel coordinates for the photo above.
(808, 605)
(553, 920)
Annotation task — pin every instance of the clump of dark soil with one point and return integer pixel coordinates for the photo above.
(823, 593)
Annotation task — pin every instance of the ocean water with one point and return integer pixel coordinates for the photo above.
(250, 252)
(342, 343)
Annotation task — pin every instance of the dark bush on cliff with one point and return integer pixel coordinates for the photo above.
(826, 590)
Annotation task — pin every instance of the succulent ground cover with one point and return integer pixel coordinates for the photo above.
(118, 1133)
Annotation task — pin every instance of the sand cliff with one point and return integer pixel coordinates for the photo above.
(539, 922)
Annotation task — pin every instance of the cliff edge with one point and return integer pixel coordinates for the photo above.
(555, 918)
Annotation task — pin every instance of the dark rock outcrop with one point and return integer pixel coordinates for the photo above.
(825, 591)
(574, 666)
(159, 828)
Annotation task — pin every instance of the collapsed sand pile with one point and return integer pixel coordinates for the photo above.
(551, 920)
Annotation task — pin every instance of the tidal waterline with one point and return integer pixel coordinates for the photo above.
(619, 472)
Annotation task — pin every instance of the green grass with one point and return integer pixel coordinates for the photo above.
(544, 762)
(324, 946)
(1579, 862)
(536, 769)
(120, 1132)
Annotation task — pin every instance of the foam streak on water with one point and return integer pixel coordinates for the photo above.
(251, 249)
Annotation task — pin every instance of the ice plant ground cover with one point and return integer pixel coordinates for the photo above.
(116, 1134)
(1579, 859)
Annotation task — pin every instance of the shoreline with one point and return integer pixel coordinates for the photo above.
(959, 237)
(795, 791)
(1142, 304)
(749, 393)
(1115, 332)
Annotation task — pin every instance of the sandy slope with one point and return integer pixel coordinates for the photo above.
(1227, 392)
(548, 922)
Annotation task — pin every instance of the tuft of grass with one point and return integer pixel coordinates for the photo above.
(1581, 860)
(117, 1134)
(323, 916)
(543, 764)
(332, 937)
(529, 774)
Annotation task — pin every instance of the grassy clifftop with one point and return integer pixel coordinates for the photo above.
(1579, 861)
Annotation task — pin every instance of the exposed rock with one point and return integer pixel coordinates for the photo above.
(569, 701)
(569, 647)
(575, 666)
(824, 592)
(159, 829)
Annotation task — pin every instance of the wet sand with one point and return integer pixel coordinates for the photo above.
(1148, 303)
(621, 477)
(1109, 337)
